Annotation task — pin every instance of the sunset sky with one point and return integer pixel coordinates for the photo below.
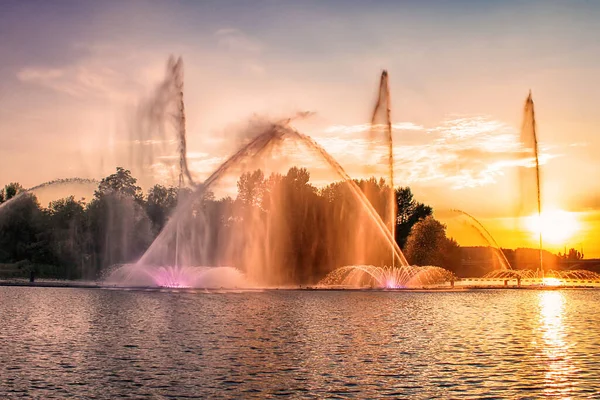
(72, 74)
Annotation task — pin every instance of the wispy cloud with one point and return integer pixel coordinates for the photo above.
(246, 49)
(461, 152)
(236, 40)
(349, 129)
(80, 80)
(189, 156)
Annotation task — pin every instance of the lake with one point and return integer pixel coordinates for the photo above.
(100, 343)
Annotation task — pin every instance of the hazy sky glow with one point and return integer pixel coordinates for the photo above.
(72, 73)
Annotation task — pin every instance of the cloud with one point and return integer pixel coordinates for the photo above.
(245, 49)
(236, 40)
(351, 129)
(189, 156)
(81, 81)
(461, 152)
(36, 74)
(106, 71)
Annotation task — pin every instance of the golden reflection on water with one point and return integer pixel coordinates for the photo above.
(555, 345)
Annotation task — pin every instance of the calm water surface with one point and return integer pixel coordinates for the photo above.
(93, 343)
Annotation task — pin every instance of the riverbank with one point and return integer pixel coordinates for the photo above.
(456, 288)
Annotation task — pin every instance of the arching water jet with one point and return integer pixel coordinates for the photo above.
(486, 235)
(49, 184)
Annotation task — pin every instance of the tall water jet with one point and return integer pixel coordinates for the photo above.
(184, 172)
(261, 241)
(381, 122)
(160, 121)
(194, 246)
(529, 143)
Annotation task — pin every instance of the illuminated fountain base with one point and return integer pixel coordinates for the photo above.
(134, 275)
(528, 277)
(356, 276)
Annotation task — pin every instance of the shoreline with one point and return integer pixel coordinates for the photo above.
(457, 288)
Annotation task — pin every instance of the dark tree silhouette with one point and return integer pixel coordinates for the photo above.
(274, 221)
(409, 212)
(11, 190)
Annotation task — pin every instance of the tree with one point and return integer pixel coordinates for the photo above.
(451, 255)
(427, 244)
(11, 190)
(251, 187)
(280, 228)
(119, 226)
(69, 237)
(120, 183)
(298, 178)
(120, 230)
(408, 212)
(21, 226)
(572, 255)
(161, 202)
(377, 193)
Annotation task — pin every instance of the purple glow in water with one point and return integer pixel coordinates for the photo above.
(176, 277)
(170, 277)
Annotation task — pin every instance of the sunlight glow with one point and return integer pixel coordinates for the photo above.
(556, 226)
(552, 282)
(555, 355)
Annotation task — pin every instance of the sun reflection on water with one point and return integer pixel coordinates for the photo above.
(555, 346)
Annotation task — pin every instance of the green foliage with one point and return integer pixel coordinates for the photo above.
(21, 226)
(408, 213)
(159, 205)
(120, 183)
(11, 190)
(309, 231)
(251, 187)
(427, 244)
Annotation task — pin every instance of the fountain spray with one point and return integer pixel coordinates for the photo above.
(383, 107)
(530, 141)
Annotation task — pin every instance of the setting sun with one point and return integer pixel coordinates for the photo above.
(556, 226)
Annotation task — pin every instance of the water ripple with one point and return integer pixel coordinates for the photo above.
(106, 344)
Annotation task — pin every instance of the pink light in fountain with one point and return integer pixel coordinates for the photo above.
(392, 284)
(171, 277)
(138, 275)
(398, 277)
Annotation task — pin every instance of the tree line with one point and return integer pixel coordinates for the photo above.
(279, 226)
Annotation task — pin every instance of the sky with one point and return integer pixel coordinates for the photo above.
(73, 74)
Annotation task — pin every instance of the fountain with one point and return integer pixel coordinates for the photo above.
(395, 277)
(260, 236)
(45, 185)
(530, 193)
(487, 237)
(176, 277)
(160, 122)
(261, 233)
(529, 142)
(381, 118)
(543, 275)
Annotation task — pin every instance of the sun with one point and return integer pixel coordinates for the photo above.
(556, 226)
